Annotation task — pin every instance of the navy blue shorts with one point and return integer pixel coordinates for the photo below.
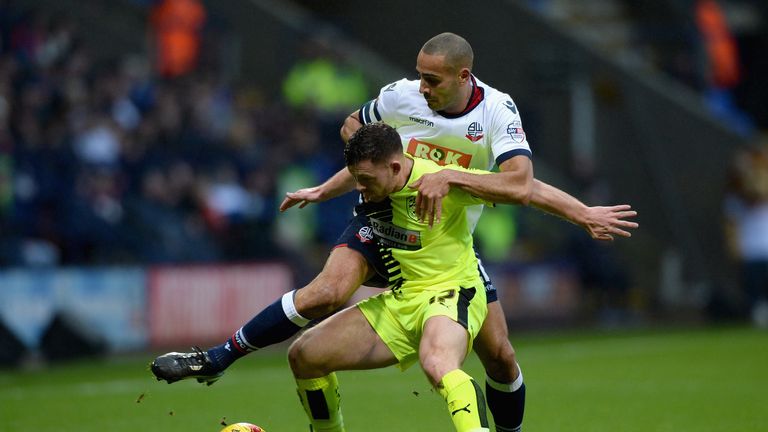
(359, 236)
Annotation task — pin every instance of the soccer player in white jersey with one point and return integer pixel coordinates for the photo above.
(432, 115)
(486, 130)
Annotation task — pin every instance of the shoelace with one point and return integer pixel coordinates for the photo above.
(196, 358)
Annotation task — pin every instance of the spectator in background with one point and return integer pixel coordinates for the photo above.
(719, 44)
(722, 64)
(746, 211)
(92, 216)
(166, 221)
(176, 29)
(496, 233)
(324, 83)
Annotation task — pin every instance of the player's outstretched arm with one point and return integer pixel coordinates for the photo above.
(601, 222)
(513, 185)
(339, 184)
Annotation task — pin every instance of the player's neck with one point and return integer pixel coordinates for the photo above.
(404, 175)
(465, 95)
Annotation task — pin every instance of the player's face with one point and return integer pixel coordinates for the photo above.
(374, 180)
(439, 83)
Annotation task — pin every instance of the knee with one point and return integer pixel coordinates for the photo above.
(296, 355)
(321, 297)
(300, 358)
(429, 365)
(435, 367)
(333, 291)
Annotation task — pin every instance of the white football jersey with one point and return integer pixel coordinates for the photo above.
(489, 132)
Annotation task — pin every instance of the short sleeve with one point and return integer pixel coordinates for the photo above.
(384, 107)
(508, 138)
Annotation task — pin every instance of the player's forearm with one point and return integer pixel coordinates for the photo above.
(502, 187)
(557, 202)
(339, 184)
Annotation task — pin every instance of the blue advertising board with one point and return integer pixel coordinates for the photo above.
(110, 302)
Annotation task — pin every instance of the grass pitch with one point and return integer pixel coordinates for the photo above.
(666, 381)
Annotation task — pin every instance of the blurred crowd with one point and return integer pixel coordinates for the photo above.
(133, 160)
(156, 159)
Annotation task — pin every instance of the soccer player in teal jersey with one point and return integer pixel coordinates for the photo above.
(436, 303)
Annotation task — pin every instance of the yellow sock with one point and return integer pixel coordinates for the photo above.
(320, 398)
(466, 403)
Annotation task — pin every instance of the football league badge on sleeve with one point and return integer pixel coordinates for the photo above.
(515, 131)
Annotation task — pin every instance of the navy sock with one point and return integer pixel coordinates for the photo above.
(507, 403)
(276, 323)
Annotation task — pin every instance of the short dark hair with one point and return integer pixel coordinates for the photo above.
(376, 142)
(457, 51)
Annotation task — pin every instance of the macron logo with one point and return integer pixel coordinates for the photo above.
(421, 121)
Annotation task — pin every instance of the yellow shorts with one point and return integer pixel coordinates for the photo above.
(399, 319)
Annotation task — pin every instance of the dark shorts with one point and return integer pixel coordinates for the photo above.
(358, 236)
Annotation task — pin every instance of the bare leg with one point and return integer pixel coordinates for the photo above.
(343, 342)
(346, 341)
(443, 347)
(504, 387)
(493, 347)
(442, 350)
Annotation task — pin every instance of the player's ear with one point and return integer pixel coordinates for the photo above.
(464, 75)
(396, 166)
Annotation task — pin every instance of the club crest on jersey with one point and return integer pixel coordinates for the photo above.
(516, 132)
(474, 132)
(365, 234)
(438, 154)
(410, 208)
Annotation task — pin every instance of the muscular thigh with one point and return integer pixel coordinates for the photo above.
(399, 319)
(343, 342)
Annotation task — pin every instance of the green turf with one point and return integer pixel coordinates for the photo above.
(693, 380)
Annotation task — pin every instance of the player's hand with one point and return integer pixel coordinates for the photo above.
(432, 188)
(603, 223)
(301, 197)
